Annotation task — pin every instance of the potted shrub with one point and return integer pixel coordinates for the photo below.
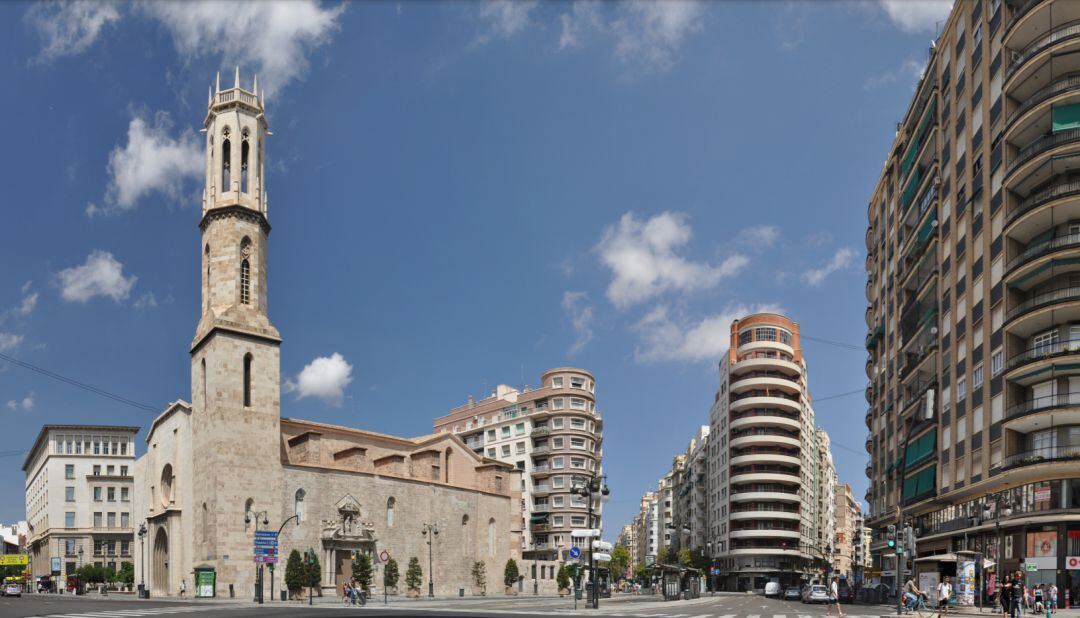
(510, 576)
(390, 576)
(414, 576)
(479, 575)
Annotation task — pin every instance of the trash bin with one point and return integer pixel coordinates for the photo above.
(461, 592)
(284, 595)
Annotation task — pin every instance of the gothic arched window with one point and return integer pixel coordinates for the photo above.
(244, 146)
(245, 271)
(390, 503)
(226, 161)
(247, 379)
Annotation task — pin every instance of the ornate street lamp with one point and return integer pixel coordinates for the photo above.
(430, 531)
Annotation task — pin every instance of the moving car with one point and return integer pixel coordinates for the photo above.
(13, 590)
(792, 593)
(772, 589)
(845, 593)
(816, 594)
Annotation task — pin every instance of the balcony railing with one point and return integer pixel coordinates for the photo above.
(1055, 191)
(1042, 248)
(1064, 33)
(538, 432)
(1017, 14)
(1069, 82)
(1052, 297)
(1041, 455)
(1041, 145)
(1047, 402)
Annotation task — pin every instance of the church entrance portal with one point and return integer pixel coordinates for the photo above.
(161, 562)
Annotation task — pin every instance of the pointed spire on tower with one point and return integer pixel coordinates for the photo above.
(209, 96)
(218, 87)
(237, 83)
(255, 88)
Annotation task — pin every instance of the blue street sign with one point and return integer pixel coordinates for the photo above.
(575, 552)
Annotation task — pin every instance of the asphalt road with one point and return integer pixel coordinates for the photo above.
(645, 606)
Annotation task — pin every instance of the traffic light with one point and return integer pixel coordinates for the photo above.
(909, 540)
(891, 535)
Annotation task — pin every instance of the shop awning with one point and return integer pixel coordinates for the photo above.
(938, 558)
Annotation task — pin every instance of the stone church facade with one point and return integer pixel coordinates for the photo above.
(227, 464)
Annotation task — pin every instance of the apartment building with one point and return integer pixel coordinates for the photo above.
(763, 459)
(78, 498)
(665, 492)
(848, 521)
(973, 298)
(690, 495)
(825, 480)
(553, 434)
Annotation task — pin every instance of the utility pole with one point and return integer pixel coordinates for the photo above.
(593, 486)
(900, 516)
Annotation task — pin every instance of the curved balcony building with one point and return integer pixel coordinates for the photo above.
(766, 473)
(554, 433)
(982, 410)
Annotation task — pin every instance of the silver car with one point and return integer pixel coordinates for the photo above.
(13, 590)
(817, 594)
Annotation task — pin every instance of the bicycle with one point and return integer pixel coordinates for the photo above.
(923, 609)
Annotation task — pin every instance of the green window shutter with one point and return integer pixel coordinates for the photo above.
(927, 229)
(1066, 117)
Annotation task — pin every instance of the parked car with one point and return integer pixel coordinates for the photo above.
(772, 589)
(845, 593)
(816, 594)
(13, 590)
(792, 593)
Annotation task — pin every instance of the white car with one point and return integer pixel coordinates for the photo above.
(772, 589)
(13, 590)
(817, 594)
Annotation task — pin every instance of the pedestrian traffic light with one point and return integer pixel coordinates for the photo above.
(891, 535)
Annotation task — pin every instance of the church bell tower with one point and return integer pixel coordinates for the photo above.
(235, 360)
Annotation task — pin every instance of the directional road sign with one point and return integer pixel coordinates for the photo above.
(575, 552)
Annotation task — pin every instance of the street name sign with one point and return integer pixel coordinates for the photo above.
(601, 545)
(266, 547)
(585, 534)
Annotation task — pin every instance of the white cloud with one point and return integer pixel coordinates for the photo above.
(583, 16)
(26, 403)
(644, 260)
(100, 275)
(504, 18)
(918, 15)
(910, 70)
(271, 36)
(759, 237)
(324, 378)
(9, 341)
(667, 338)
(151, 161)
(840, 260)
(69, 28)
(649, 33)
(581, 317)
(146, 301)
(26, 306)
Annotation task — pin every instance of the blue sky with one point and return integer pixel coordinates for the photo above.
(462, 195)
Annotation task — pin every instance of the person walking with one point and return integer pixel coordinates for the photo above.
(834, 597)
(183, 587)
(1016, 599)
(944, 592)
(1052, 603)
(1004, 592)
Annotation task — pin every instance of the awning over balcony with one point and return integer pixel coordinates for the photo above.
(921, 448)
(539, 518)
(1066, 117)
(920, 484)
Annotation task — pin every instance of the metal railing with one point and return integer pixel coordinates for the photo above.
(1047, 402)
(1020, 12)
(1041, 455)
(1064, 33)
(1041, 300)
(1049, 194)
(1041, 145)
(1042, 248)
(1071, 81)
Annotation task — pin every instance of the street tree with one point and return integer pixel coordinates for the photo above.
(641, 574)
(390, 574)
(686, 557)
(314, 573)
(295, 573)
(510, 574)
(479, 575)
(562, 578)
(362, 570)
(620, 561)
(414, 575)
(662, 556)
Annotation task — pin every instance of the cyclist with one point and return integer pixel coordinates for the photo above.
(911, 594)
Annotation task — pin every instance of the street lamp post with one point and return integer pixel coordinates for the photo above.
(142, 560)
(248, 517)
(1002, 507)
(595, 485)
(430, 531)
(536, 582)
(297, 518)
